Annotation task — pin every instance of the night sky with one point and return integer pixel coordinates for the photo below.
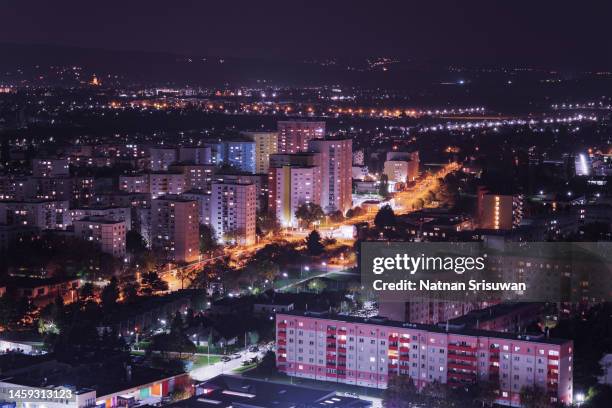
(569, 33)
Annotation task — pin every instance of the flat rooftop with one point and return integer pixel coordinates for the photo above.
(226, 391)
(383, 321)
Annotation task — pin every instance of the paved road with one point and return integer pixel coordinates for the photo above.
(209, 371)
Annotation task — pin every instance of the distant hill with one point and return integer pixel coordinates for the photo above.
(157, 67)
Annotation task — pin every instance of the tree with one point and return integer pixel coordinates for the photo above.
(336, 216)
(208, 240)
(268, 269)
(174, 341)
(152, 283)
(487, 393)
(355, 212)
(267, 224)
(598, 396)
(400, 392)
(130, 291)
(317, 285)
(313, 243)
(385, 218)
(134, 242)
(87, 291)
(12, 312)
(110, 294)
(383, 186)
(309, 213)
(534, 397)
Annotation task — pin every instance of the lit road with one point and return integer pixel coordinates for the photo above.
(209, 371)
(403, 202)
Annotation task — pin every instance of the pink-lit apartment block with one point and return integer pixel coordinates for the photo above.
(366, 352)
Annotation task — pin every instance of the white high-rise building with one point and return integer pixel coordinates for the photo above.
(233, 212)
(295, 186)
(266, 143)
(336, 173)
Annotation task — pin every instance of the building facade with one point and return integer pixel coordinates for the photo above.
(233, 212)
(295, 186)
(336, 173)
(266, 143)
(294, 135)
(175, 228)
(366, 352)
(108, 234)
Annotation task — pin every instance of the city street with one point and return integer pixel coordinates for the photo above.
(223, 367)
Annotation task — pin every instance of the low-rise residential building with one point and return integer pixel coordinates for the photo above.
(366, 351)
(108, 235)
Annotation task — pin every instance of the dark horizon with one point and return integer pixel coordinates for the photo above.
(548, 34)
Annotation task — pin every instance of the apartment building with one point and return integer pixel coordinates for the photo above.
(295, 186)
(134, 183)
(52, 167)
(41, 214)
(336, 173)
(499, 211)
(266, 143)
(175, 228)
(162, 157)
(366, 352)
(233, 215)
(294, 135)
(108, 234)
(162, 183)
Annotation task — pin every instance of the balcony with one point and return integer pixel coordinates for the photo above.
(281, 334)
(494, 358)
(553, 358)
(331, 331)
(392, 366)
(404, 358)
(393, 347)
(331, 348)
(281, 342)
(461, 347)
(462, 357)
(342, 360)
(281, 359)
(461, 367)
(404, 349)
(282, 325)
(342, 332)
